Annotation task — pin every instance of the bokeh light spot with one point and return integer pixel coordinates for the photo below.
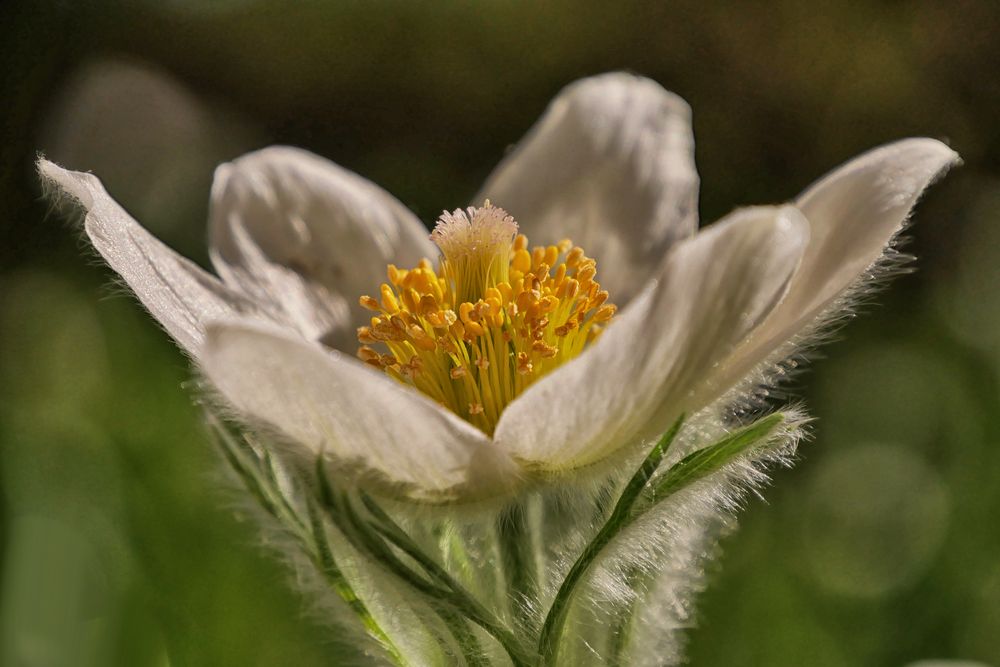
(875, 518)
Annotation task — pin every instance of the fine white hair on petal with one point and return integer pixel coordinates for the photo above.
(854, 215)
(179, 294)
(611, 166)
(659, 357)
(307, 236)
(373, 428)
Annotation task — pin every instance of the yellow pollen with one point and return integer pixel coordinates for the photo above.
(491, 320)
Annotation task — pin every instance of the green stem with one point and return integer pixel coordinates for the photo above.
(455, 557)
(690, 469)
(516, 554)
(467, 641)
(623, 622)
(361, 534)
(365, 538)
(328, 566)
(548, 642)
(456, 593)
(262, 485)
(255, 481)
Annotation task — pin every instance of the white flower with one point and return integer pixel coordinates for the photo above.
(296, 240)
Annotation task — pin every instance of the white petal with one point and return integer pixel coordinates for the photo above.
(659, 357)
(309, 237)
(179, 294)
(371, 426)
(854, 213)
(611, 166)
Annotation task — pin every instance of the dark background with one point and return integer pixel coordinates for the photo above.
(881, 547)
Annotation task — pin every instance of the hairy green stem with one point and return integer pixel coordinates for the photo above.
(622, 623)
(517, 554)
(340, 511)
(467, 641)
(456, 593)
(255, 481)
(263, 486)
(631, 505)
(548, 642)
(364, 536)
(339, 583)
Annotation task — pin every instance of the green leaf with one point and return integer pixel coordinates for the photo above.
(641, 494)
(456, 595)
(704, 462)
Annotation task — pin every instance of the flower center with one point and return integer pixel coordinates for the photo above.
(490, 321)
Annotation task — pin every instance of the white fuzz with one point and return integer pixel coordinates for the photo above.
(474, 231)
(630, 607)
(476, 246)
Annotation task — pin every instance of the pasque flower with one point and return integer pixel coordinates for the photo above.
(504, 364)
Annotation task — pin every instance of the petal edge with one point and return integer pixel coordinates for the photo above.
(386, 435)
(180, 295)
(855, 213)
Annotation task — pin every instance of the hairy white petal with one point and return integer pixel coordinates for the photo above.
(659, 358)
(368, 424)
(308, 237)
(179, 294)
(854, 213)
(611, 166)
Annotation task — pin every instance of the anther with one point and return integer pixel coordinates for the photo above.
(574, 257)
(524, 365)
(521, 261)
(544, 349)
(389, 302)
(427, 304)
(586, 273)
(537, 255)
(604, 313)
(551, 254)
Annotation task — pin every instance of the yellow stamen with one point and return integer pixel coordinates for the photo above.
(496, 316)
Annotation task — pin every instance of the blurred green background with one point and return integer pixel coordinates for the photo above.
(881, 547)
